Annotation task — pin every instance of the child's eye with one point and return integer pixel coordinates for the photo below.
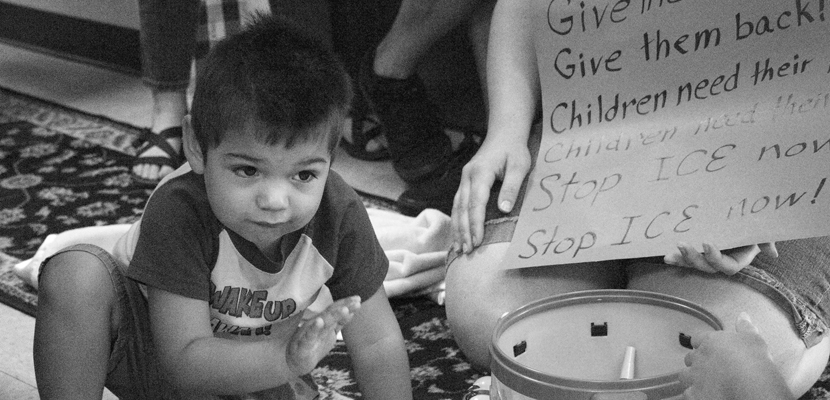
(305, 176)
(245, 172)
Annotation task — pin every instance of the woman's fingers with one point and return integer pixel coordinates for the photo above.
(481, 184)
(769, 249)
(713, 259)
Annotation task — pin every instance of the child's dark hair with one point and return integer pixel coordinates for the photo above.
(276, 75)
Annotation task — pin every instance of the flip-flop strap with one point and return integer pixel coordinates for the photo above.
(173, 132)
(160, 140)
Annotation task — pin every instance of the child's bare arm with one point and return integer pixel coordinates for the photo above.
(377, 350)
(197, 362)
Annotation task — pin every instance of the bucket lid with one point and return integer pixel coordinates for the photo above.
(533, 380)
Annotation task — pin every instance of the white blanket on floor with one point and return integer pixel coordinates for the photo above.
(416, 248)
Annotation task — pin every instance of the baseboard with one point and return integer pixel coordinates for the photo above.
(96, 43)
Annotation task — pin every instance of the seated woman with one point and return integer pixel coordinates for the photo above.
(783, 294)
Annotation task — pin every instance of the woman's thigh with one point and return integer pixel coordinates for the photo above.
(478, 292)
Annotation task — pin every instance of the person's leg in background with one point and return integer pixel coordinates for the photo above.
(478, 31)
(420, 149)
(356, 28)
(438, 192)
(167, 40)
(218, 19)
(417, 27)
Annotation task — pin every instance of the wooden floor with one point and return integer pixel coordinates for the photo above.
(123, 98)
(17, 374)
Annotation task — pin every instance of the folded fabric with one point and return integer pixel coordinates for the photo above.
(416, 248)
(404, 263)
(429, 284)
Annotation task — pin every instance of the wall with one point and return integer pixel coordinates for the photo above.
(123, 13)
(103, 32)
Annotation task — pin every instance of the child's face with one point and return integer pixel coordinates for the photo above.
(263, 192)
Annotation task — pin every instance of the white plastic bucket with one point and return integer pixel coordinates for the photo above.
(572, 346)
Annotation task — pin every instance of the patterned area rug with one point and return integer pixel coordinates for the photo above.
(59, 169)
(62, 169)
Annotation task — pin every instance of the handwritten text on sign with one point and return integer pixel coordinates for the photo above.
(677, 121)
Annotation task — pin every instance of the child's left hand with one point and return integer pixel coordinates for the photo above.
(315, 337)
(713, 260)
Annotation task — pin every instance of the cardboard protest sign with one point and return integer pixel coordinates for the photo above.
(677, 121)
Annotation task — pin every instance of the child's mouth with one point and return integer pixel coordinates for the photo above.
(265, 224)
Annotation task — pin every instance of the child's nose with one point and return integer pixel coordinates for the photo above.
(273, 197)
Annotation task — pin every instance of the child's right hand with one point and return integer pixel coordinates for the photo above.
(509, 162)
(316, 337)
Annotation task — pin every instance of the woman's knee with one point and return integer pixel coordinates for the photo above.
(727, 298)
(810, 367)
(478, 292)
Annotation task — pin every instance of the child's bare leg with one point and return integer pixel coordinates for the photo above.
(75, 320)
(800, 366)
(315, 337)
(477, 293)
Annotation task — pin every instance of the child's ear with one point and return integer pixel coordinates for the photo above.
(191, 148)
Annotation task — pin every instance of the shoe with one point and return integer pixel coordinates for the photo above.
(418, 146)
(439, 193)
(365, 128)
(173, 159)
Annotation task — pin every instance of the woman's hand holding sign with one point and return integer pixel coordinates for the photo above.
(713, 260)
(508, 161)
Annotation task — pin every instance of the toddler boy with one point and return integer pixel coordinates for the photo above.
(232, 251)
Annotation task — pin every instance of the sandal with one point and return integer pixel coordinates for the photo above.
(365, 128)
(173, 158)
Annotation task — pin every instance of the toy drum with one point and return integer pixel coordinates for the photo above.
(595, 345)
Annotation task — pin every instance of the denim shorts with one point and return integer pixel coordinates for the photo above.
(133, 370)
(798, 280)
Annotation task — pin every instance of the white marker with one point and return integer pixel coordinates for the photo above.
(627, 371)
